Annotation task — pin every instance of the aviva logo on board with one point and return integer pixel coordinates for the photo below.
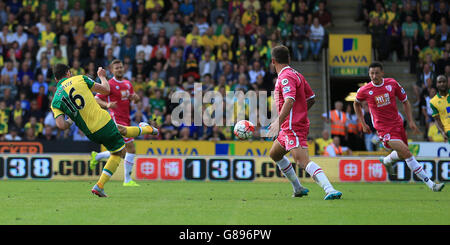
(350, 50)
(349, 44)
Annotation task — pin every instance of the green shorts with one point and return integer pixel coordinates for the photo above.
(109, 136)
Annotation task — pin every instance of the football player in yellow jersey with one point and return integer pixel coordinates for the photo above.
(74, 98)
(440, 104)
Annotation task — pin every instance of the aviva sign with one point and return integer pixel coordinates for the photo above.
(349, 52)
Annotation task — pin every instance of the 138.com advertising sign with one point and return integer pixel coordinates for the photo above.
(212, 168)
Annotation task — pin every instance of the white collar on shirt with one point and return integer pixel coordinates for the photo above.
(279, 73)
(119, 81)
(377, 85)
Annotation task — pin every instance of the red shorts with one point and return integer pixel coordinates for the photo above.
(394, 134)
(127, 140)
(293, 138)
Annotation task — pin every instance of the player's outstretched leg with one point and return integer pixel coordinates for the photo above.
(321, 179)
(418, 170)
(301, 156)
(277, 154)
(133, 131)
(97, 156)
(404, 153)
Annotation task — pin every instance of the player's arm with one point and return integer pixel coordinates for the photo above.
(358, 110)
(285, 110)
(409, 117)
(440, 126)
(401, 95)
(105, 105)
(103, 87)
(310, 102)
(134, 97)
(310, 96)
(63, 124)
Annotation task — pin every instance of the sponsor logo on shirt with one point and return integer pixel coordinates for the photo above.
(286, 89)
(284, 82)
(382, 100)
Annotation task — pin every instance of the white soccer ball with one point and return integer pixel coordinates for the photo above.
(244, 129)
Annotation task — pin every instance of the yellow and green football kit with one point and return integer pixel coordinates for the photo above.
(74, 98)
(441, 107)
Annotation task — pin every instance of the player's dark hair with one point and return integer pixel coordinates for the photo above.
(61, 71)
(281, 54)
(116, 61)
(375, 65)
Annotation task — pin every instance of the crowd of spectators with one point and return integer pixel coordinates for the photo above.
(416, 31)
(166, 46)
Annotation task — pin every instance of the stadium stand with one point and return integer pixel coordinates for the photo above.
(414, 31)
(166, 46)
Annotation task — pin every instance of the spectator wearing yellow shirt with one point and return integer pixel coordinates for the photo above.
(248, 15)
(77, 69)
(4, 117)
(393, 13)
(379, 13)
(89, 26)
(58, 58)
(155, 82)
(435, 52)
(122, 26)
(47, 36)
(139, 84)
(427, 24)
(222, 84)
(277, 5)
(33, 3)
(322, 143)
(65, 15)
(226, 37)
(259, 47)
(195, 34)
(207, 40)
(241, 50)
(37, 126)
(224, 49)
(154, 4)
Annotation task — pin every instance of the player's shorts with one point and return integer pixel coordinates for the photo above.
(395, 134)
(293, 138)
(109, 136)
(123, 123)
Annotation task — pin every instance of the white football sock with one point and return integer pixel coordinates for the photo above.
(286, 168)
(128, 166)
(103, 155)
(319, 176)
(393, 157)
(418, 170)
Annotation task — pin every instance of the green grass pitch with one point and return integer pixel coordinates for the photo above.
(219, 203)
